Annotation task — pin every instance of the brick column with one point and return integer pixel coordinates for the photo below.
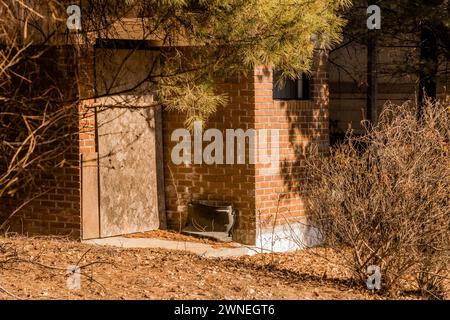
(301, 124)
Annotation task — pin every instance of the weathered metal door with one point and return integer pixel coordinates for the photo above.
(128, 144)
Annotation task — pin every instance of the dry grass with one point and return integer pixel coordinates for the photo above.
(37, 270)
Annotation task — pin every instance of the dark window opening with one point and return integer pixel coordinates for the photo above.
(293, 89)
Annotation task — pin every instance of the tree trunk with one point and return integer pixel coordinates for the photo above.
(428, 66)
(372, 76)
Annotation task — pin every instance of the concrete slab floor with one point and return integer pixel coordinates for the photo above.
(201, 249)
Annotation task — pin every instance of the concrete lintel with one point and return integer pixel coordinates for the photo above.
(120, 100)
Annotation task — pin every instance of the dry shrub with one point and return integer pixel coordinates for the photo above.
(384, 197)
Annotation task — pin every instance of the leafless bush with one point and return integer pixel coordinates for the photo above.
(384, 198)
(38, 121)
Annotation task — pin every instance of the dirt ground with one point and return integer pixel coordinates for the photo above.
(36, 268)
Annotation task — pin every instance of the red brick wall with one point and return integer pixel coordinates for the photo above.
(214, 183)
(258, 195)
(57, 210)
(86, 91)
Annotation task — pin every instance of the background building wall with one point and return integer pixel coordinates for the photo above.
(396, 82)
